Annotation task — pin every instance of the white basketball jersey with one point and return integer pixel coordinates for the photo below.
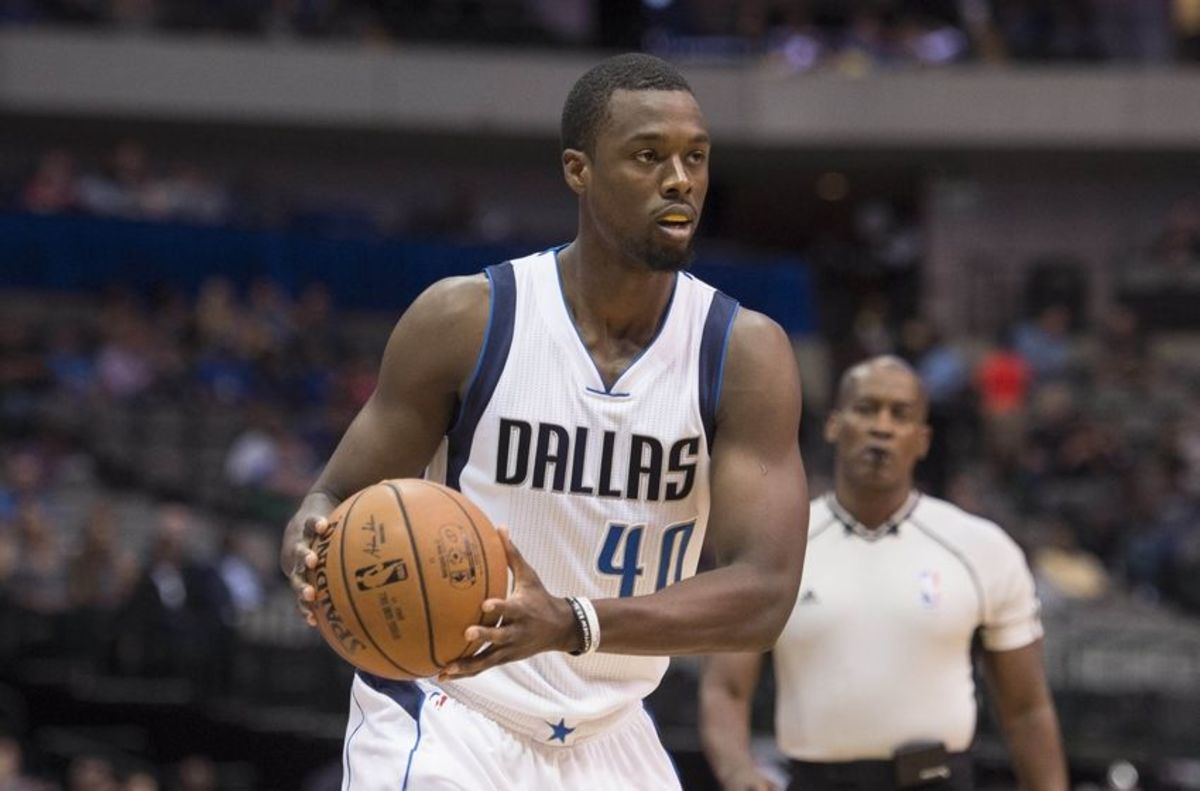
(604, 489)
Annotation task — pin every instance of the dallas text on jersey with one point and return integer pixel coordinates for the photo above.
(542, 456)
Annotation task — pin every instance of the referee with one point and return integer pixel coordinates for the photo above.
(873, 670)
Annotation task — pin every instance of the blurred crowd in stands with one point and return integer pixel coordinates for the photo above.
(93, 772)
(151, 450)
(128, 186)
(851, 36)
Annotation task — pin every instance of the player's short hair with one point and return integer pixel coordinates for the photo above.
(586, 108)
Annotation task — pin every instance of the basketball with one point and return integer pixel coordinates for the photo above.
(401, 573)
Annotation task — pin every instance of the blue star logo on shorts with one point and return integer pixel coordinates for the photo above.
(560, 731)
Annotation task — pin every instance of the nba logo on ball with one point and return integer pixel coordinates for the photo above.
(931, 589)
(401, 573)
(458, 561)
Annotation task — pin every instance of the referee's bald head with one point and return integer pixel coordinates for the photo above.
(853, 377)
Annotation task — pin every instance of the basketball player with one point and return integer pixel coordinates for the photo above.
(873, 670)
(615, 413)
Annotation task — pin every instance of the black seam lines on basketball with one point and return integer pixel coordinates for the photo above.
(350, 597)
(487, 574)
(420, 576)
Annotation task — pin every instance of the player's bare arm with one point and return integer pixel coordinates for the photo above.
(1025, 709)
(757, 529)
(399, 428)
(727, 686)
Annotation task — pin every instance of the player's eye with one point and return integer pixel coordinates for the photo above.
(646, 155)
(698, 157)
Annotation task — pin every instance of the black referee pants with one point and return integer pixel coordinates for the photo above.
(874, 776)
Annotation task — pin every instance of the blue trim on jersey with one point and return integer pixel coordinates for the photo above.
(350, 738)
(713, 345)
(493, 354)
(662, 322)
(406, 693)
(416, 744)
(597, 391)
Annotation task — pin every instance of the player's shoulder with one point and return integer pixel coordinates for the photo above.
(969, 533)
(754, 328)
(457, 295)
(760, 348)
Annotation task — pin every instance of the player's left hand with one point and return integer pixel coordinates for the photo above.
(530, 621)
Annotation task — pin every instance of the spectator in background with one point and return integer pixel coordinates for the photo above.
(1044, 342)
(177, 617)
(1187, 28)
(22, 370)
(218, 315)
(140, 781)
(243, 564)
(125, 365)
(12, 776)
(1003, 378)
(1177, 248)
(71, 364)
(91, 773)
(54, 186)
(102, 573)
(1065, 571)
(197, 773)
(945, 375)
(103, 569)
(39, 579)
(269, 463)
(118, 190)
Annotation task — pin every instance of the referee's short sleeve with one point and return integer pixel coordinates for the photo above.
(1012, 613)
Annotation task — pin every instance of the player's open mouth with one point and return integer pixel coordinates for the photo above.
(676, 224)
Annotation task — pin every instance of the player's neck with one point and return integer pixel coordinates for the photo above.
(872, 508)
(609, 298)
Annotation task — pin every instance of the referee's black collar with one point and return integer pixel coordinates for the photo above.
(890, 527)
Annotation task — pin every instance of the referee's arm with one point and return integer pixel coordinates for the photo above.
(1022, 701)
(727, 686)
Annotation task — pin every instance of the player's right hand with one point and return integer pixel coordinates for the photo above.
(298, 558)
(748, 779)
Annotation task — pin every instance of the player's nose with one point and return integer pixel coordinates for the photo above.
(676, 178)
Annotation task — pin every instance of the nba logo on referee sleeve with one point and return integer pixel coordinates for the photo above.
(931, 589)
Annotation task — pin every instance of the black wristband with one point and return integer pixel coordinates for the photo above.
(581, 623)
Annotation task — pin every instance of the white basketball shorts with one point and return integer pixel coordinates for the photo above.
(412, 736)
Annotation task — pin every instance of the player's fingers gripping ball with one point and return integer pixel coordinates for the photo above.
(401, 573)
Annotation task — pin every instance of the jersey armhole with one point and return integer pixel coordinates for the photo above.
(493, 353)
(714, 344)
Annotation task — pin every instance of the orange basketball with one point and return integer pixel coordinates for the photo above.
(401, 573)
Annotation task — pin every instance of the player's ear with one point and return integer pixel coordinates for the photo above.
(577, 169)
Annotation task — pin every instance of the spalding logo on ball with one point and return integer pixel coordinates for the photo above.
(402, 571)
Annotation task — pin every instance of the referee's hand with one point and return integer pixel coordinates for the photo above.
(748, 779)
